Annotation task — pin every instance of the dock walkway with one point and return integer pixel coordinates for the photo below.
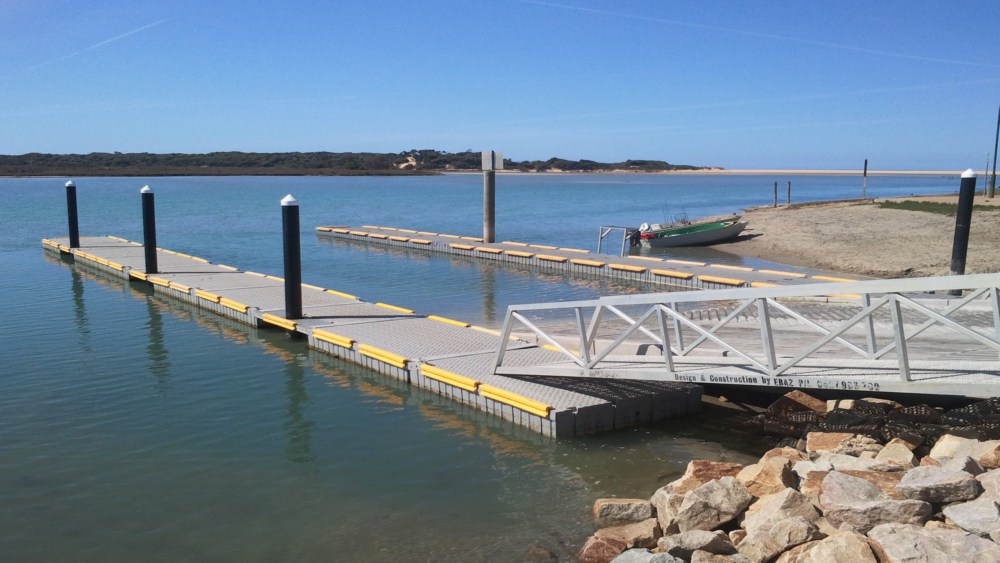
(449, 357)
(686, 274)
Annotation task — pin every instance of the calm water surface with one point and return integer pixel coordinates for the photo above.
(137, 428)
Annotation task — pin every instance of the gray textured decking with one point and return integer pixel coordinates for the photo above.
(446, 356)
(687, 274)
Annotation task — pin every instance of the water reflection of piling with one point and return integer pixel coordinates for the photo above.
(156, 349)
(297, 428)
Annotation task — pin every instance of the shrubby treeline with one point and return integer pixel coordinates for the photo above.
(424, 161)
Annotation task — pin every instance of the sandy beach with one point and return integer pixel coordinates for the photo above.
(861, 238)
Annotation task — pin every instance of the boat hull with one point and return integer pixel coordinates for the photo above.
(693, 236)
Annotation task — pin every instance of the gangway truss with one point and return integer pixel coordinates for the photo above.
(936, 335)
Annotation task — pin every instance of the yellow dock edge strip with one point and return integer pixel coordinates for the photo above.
(627, 268)
(673, 274)
(764, 284)
(406, 231)
(158, 281)
(449, 321)
(282, 322)
(311, 286)
(358, 233)
(333, 338)
(518, 253)
(550, 258)
(427, 233)
(383, 355)
(258, 274)
(591, 263)
(575, 250)
(234, 305)
(207, 296)
(486, 330)
(230, 268)
(723, 281)
(783, 273)
(461, 246)
(489, 250)
(449, 236)
(180, 287)
(395, 308)
(451, 378)
(515, 243)
(378, 236)
(340, 294)
(340, 231)
(829, 278)
(729, 267)
(420, 241)
(137, 274)
(475, 239)
(399, 239)
(545, 246)
(650, 258)
(686, 262)
(517, 401)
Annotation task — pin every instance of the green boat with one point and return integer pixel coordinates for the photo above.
(693, 234)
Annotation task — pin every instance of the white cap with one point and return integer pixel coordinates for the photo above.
(970, 173)
(70, 184)
(289, 200)
(146, 190)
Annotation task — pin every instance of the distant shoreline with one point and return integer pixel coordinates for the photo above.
(161, 172)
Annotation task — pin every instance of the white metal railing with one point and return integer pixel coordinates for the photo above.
(658, 318)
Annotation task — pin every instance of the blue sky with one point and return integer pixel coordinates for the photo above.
(908, 85)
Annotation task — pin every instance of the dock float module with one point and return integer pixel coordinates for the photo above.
(446, 356)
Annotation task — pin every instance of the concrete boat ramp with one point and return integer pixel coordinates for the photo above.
(447, 356)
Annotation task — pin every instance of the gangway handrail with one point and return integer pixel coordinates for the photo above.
(897, 295)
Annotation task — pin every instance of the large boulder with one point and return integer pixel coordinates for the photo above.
(907, 543)
(699, 472)
(980, 516)
(667, 505)
(713, 504)
(638, 555)
(886, 482)
(840, 443)
(897, 453)
(860, 505)
(620, 511)
(797, 401)
(684, 544)
(765, 545)
(769, 476)
(839, 462)
(990, 482)
(949, 446)
(770, 509)
(640, 534)
(785, 452)
(938, 484)
(600, 550)
(843, 546)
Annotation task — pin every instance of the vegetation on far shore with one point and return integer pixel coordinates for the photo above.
(949, 209)
(412, 162)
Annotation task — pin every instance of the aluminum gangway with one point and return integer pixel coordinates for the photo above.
(936, 335)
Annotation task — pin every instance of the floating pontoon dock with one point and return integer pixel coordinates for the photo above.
(688, 274)
(449, 357)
